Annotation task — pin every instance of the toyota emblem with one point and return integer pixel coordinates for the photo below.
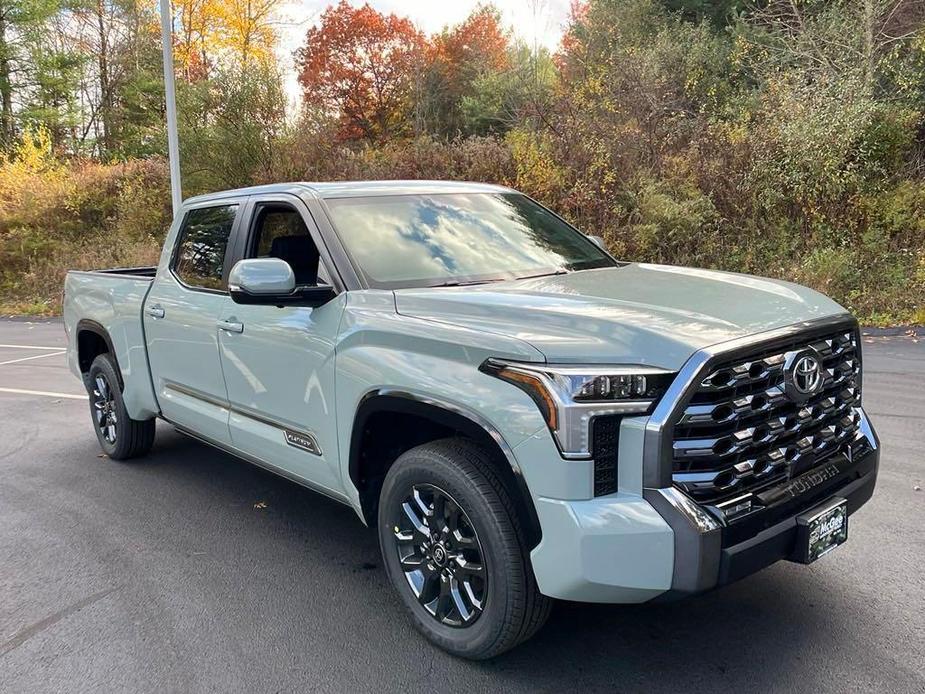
(803, 375)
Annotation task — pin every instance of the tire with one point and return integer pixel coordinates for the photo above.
(486, 532)
(120, 436)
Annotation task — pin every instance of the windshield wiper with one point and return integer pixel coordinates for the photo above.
(467, 283)
(544, 274)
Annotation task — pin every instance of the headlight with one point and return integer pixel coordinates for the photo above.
(569, 397)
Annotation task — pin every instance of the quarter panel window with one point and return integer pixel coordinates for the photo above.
(201, 247)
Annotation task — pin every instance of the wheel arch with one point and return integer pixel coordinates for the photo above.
(92, 340)
(433, 419)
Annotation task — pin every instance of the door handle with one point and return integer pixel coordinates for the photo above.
(230, 326)
(156, 311)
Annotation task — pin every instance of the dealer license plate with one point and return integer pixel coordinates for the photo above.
(822, 529)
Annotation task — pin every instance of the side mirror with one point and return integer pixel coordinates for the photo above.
(598, 241)
(270, 281)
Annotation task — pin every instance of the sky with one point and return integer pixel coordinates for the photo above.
(540, 21)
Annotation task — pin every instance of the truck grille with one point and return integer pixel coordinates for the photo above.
(741, 432)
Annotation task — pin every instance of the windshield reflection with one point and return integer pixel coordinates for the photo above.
(425, 240)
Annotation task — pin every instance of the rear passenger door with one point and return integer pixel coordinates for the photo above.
(279, 361)
(180, 319)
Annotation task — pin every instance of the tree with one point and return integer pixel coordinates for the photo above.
(718, 11)
(359, 65)
(120, 42)
(194, 39)
(478, 45)
(638, 80)
(519, 94)
(139, 109)
(51, 100)
(21, 23)
(247, 29)
(462, 61)
(231, 126)
(831, 39)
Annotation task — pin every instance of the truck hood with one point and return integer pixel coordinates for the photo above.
(637, 313)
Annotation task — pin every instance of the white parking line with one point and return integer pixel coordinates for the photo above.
(36, 356)
(21, 391)
(28, 347)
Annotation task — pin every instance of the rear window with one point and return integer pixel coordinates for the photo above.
(203, 240)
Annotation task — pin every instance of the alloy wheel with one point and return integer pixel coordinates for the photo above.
(104, 409)
(440, 555)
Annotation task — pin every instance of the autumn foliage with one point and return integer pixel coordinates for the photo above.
(479, 43)
(383, 78)
(361, 64)
(764, 136)
(456, 59)
(209, 29)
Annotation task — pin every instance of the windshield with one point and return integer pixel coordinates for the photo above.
(457, 238)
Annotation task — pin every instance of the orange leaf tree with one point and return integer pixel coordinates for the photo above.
(477, 45)
(360, 65)
(458, 57)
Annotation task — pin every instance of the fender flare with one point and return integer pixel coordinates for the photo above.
(452, 415)
(91, 326)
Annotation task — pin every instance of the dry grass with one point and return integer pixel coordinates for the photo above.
(82, 215)
(37, 289)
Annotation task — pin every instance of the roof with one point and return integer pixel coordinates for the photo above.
(346, 189)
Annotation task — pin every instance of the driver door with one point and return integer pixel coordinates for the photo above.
(278, 362)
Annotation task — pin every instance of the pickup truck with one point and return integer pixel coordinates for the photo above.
(521, 416)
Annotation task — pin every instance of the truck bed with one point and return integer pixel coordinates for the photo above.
(111, 303)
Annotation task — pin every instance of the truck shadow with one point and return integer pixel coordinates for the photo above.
(742, 636)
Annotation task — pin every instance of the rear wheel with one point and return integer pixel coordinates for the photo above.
(120, 436)
(455, 551)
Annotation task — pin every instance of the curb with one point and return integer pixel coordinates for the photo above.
(32, 319)
(899, 331)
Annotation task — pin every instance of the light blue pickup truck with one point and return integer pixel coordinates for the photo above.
(520, 415)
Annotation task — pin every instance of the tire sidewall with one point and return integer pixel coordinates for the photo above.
(420, 467)
(103, 366)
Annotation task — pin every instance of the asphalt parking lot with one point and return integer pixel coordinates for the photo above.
(191, 571)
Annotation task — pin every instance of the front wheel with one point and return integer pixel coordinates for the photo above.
(454, 549)
(120, 436)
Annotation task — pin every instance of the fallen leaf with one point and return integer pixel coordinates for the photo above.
(260, 504)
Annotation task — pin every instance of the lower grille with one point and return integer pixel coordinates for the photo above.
(744, 430)
(605, 439)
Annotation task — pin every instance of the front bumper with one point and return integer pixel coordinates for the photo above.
(716, 557)
(624, 548)
(614, 549)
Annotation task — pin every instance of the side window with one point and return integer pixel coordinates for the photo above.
(280, 232)
(201, 245)
(273, 223)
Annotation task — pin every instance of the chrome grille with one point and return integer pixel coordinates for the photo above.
(740, 432)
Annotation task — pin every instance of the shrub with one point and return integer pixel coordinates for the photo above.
(82, 215)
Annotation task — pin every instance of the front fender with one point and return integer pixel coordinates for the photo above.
(380, 351)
